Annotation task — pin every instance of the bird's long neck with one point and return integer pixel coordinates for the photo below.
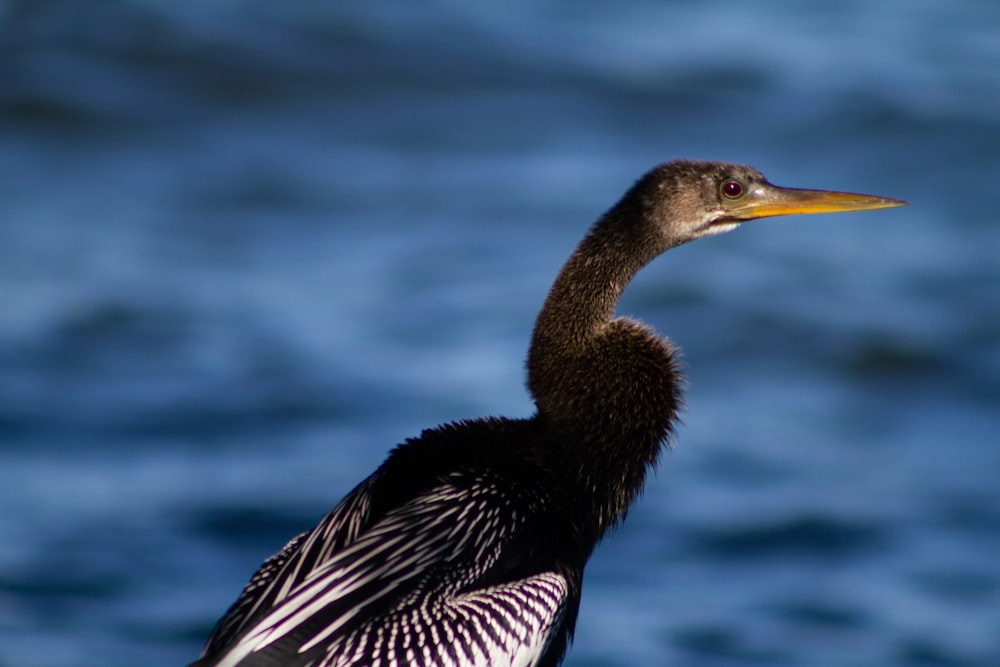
(583, 298)
(606, 388)
(581, 303)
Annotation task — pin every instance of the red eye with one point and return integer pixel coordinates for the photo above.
(732, 189)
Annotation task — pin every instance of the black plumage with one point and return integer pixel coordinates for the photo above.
(467, 546)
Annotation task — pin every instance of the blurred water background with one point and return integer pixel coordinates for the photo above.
(247, 247)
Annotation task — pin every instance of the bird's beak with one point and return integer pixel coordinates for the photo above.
(767, 200)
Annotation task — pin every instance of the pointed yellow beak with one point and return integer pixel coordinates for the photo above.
(769, 200)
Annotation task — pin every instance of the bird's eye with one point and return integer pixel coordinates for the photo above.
(732, 189)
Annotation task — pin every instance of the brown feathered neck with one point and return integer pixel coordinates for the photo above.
(607, 389)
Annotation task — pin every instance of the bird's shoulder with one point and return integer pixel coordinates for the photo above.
(466, 497)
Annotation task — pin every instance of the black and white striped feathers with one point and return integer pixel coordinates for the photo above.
(433, 560)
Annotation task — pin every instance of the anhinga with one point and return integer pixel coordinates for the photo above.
(467, 546)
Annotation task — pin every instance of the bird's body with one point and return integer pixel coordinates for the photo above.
(467, 546)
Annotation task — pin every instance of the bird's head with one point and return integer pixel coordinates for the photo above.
(688, 200)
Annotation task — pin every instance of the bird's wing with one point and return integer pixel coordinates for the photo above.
(287, 568)
(407, 589)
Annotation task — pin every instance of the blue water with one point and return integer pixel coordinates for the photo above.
(247, 247)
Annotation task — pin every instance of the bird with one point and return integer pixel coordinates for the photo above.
(467, 546)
